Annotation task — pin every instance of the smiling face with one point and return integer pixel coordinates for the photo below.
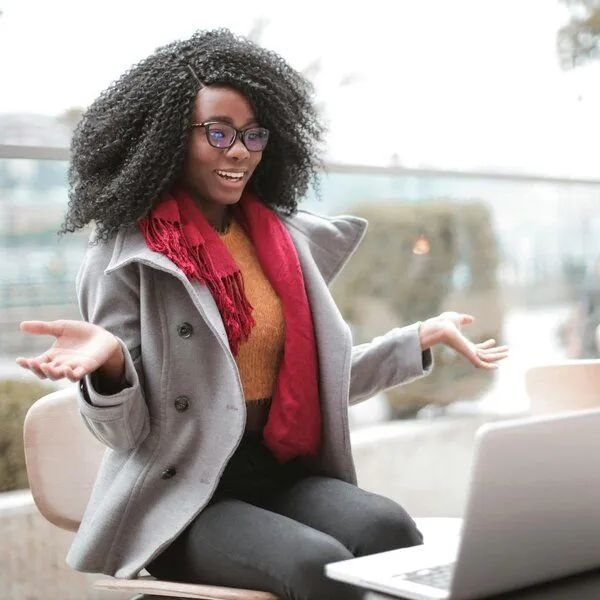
(217, 177)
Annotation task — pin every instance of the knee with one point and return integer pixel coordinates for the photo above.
(387, 526)
(307, 579)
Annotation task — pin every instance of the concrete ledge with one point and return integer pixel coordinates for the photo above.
(424, 465)
(32, 556)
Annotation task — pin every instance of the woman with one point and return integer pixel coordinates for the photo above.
(212, 360)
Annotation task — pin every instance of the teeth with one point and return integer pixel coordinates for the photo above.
(231, 175)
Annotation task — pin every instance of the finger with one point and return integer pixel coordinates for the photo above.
(477, 359)
(496, 349)
(45, 369)
(42, 358)
(79, 371)
(483, 364)
(492, 351)
(24, 362)
(459, 343)
(492, 354)
(487, 356)
(487, 366)
(465, 319)
(52, 372)
(471, 352)
(33, 366)
(42, 327)
(487, 344)
(69, 373)
(59, 361)
(493, 358)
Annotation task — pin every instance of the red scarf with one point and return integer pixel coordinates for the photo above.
(177, 228)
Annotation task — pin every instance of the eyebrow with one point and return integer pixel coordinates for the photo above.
(229, 120)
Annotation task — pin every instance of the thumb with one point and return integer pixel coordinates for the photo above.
(465, 319)
(42, 327)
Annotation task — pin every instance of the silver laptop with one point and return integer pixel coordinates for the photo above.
(532, 515)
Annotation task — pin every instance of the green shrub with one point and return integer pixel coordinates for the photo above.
(416, 261)
(15, 399)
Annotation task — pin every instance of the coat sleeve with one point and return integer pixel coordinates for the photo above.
(386, 361)
(119, 420)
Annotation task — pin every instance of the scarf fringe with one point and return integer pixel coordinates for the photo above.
(177, 229)
(168, 238)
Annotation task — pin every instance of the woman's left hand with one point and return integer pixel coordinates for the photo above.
(446, 329)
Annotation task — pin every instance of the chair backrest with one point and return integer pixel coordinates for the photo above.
(62, 458)
(566, 386)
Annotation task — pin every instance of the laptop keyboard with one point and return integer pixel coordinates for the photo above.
(436, 577)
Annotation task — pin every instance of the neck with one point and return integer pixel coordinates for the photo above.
(216, 214)
(219, 219)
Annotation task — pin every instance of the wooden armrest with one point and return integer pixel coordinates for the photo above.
(175, 589)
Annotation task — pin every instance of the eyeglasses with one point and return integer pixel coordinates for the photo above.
(223, 136)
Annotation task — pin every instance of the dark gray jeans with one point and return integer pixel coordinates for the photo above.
(273, 528)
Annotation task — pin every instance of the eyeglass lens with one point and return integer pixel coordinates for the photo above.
(221, 135)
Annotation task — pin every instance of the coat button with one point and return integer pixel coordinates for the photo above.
(185, 330)
(168, 473)
(182, 403)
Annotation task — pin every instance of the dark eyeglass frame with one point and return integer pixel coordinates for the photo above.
(238, 133)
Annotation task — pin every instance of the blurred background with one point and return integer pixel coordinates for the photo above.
(464, 130)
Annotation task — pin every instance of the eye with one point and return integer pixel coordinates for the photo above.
(255, 133)
(220, 135)
(216, 134)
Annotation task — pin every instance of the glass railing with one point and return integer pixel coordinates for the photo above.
(516, 250)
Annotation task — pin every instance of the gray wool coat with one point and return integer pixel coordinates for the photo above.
(171, 432)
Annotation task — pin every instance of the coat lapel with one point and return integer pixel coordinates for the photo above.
(328, 241)
(130, 246)
(322, 255)
(324, 245)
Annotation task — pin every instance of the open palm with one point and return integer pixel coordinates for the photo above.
(79, 349)
(483, 355)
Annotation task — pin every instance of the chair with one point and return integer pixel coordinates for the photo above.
(564, 386)
(55, 436)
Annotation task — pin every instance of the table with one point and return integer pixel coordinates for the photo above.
(579, 587)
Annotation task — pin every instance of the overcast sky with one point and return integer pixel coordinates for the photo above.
(453, 83)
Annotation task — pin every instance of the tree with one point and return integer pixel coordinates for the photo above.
(258, 29)
(71, 117)
(578, 42)
(312, 70)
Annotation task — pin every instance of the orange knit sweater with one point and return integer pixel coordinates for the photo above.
(259, 356)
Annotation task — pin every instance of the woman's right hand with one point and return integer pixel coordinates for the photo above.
(79, 349)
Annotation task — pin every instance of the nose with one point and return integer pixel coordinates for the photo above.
(238, 151)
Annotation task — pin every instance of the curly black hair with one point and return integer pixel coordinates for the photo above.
(130, 146)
